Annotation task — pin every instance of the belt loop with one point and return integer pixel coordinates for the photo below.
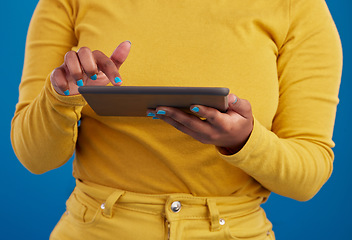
(110, 202)
(214, 215)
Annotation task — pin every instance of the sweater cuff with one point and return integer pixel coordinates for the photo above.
(249, 148)
(75, 100)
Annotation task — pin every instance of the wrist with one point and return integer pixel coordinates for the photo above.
(231, 150)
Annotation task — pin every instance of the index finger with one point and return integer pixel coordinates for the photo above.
(108, 67)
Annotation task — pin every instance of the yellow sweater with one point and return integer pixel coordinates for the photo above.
(283, 56)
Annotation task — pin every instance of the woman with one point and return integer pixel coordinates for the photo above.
(180, 177)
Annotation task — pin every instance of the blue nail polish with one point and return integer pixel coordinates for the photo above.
(236, 100)
(161, 112)
(195, 109)
(118, 80)
(80, 83)
(79, 123)
(67, 92)
(155, 118)
(151, 114)
(94, 77)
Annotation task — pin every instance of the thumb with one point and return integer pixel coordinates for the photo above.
(120, 53)
(240, 106)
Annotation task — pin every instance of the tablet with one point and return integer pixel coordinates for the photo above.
(134, 101)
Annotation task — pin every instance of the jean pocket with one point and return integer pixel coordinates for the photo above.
(82, 210)
(254, 226)
(248, 235)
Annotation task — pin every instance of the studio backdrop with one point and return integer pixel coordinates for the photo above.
(32, 204)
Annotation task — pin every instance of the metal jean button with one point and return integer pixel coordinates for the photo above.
(222, 222)
(176, 206)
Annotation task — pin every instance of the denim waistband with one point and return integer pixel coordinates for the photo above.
(173, 206)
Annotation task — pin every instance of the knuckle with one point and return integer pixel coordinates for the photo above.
(225, 128)
(69, 55)
(61, 85)
(76, 75)
(84, 50)
(89, 67)
(172, 114)
(107, 64)
(190, 124)
(90, 70)
(104, 62)
(55, 74)
(227, 125)
(97, 52)
(246, 105)
(213, 117)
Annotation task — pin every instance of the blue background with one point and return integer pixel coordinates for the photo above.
(31, 205)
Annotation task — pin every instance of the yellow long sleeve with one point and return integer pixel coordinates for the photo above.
(44, 128)
(296, 159)
(284, 57)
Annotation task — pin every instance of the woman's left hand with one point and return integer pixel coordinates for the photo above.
(228, 131)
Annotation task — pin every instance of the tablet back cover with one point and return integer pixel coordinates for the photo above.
(134, 101)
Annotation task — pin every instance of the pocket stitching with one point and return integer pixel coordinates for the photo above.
(72, 219)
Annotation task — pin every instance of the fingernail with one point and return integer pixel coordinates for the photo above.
(67, 92)
(94, 77)
(161, 112)
(236, 100)
(80, 83)
(195, 109)
(155, 118)
(151, 114)
(129, 41)
(118, 80)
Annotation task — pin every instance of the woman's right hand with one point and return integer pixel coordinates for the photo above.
(85, 67)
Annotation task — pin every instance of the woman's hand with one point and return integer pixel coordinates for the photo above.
(85, 67)
(228, 131)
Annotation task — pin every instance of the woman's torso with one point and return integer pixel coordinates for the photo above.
(230, 44)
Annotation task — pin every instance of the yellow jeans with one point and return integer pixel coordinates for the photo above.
(98, 212)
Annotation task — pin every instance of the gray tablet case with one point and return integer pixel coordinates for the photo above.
(134, 101)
